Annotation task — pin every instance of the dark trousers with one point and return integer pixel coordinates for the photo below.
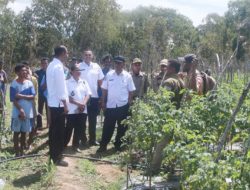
(78, 123)
(93, 110)
(41, 102)
(56, 133)
(113, 116)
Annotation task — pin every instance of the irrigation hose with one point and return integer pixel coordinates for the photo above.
(90, 159)
(65, 155)
(21, 157)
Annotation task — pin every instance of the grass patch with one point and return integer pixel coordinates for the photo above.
(27, 174)
(119, 184)
(96, 181)
(87, 167)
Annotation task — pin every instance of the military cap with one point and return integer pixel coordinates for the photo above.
(164, 62)
(119, 59)
(136, 60)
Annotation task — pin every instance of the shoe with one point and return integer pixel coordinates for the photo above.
(62, 163)
(77, 150)
(94, 143)
(83, 143)
(101, 149)
(118, 148)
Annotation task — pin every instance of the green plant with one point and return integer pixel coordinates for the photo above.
(195, 130)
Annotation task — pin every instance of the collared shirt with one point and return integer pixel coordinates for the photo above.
(141, 84)
(91, 73)
(56, 84)
(78, 90)
(105, 72)
(118, 87)
(25, 88)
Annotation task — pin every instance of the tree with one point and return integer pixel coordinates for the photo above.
(76, 23)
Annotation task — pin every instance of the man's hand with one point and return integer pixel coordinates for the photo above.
(103, 105)
(66, 110)
(22, 115)
(81, 107)
(182, 75)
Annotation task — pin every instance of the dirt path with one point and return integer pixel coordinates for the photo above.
(69, 177)
(73, 178)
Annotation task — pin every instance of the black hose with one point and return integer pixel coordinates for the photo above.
(65, 155)
(91, 159)
(21, 157)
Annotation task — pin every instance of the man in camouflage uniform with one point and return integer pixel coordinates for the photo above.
(158, 78)
(140, 79)
(194, 79)
(175, 84)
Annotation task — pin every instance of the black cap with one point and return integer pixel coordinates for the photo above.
(75, 68)
(44, 58)
(74, 59)
(119, 59)
(26, 63)
(108, 56)
(189, 58)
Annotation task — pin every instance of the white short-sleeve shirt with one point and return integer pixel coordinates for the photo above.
(118, 87)
(78, 90)
(91, 73)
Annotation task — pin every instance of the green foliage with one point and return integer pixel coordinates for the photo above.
(150, 33)
(194, 130)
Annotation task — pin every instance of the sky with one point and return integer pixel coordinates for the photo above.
(196, 10)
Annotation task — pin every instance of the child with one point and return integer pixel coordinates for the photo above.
(22, 94)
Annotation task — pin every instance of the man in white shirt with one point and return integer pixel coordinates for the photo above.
(118, 87)
(79, 94)
(92, 73)
(57, 98)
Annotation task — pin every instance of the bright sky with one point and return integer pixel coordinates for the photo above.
(196, 10)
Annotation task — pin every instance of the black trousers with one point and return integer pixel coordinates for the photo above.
(41, 102)
(56, 133)
(113, 116)
(78, 123)
(93, 111)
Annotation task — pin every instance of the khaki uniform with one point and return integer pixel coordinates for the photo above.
(158, 80)
(141, 84)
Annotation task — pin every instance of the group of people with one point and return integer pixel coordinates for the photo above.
(77, 92)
